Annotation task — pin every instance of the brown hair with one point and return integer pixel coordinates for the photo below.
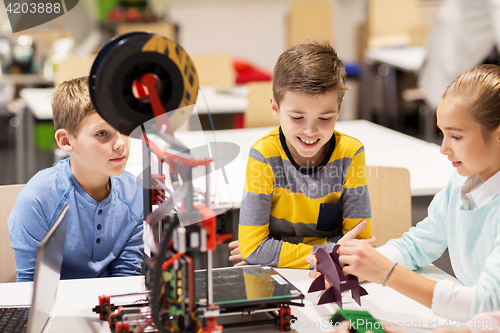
(71, 104)
(312, 67)
(481, 87)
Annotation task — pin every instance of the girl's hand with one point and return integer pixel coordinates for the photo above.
(234, 248)
(359, 258)
(372, 241)
(350, 235)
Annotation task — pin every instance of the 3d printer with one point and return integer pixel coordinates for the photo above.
(145, 86)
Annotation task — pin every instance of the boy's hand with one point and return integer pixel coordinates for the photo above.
(234, 250)
(351, 234)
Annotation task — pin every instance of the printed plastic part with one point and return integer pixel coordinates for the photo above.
(329, 267)
(358, 321)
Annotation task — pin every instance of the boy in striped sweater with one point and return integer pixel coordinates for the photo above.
(305, 184)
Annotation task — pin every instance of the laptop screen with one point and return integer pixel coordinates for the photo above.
(47, 273)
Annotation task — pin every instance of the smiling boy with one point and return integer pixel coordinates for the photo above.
(305, 184)
(104, 234)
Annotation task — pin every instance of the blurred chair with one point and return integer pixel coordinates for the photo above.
(73, 67)
(390, 198)
(259, 112)
(392, 22)
(396, 23)
(8, 196)
(160, 28)
(316, 20)
(310, 19)
(214, 69)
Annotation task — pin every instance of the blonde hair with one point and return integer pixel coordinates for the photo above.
(71, 103)
(312, 67)
(481, 87)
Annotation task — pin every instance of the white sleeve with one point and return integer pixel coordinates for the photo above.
(392, 253)
(451, 300)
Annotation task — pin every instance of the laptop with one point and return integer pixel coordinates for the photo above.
(45, 283)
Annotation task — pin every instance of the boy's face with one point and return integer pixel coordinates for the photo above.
(307, 121)
(98, 149)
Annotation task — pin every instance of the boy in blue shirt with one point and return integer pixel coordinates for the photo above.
(104, 235)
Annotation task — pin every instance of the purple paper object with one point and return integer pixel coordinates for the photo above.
(329, 267)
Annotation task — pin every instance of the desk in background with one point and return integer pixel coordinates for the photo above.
(213, 99)
(38, 106)
(76, 298)
(429, 169)
(385, 61)
(24, 79)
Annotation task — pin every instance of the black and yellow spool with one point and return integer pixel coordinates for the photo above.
(123, 61)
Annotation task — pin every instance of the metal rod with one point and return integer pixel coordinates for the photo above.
(163, 186)
(20, 145)
(210, 282)
(30, 159)
(146, 176)
(207, 190)
(392, 98)
(249, 312)
(130, 294)
(366, 110)
(160, 172)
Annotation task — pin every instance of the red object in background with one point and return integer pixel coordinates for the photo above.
(115, 15)
(239, 121)
(133, 15)
(246, 72)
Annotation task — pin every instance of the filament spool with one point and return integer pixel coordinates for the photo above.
(124, 60)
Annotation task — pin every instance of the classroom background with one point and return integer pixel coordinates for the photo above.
(234, 45)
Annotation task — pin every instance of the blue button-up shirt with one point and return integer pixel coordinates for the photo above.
(103, 238)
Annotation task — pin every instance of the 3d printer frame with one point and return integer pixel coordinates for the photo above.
(134, 79)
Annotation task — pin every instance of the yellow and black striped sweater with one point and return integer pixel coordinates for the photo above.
(288, 212)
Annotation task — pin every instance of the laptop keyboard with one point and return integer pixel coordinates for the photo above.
(13, 320)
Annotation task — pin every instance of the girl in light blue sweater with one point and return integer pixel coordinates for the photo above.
(463, 217)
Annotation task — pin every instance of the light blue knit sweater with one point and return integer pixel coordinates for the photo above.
(472, 238)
